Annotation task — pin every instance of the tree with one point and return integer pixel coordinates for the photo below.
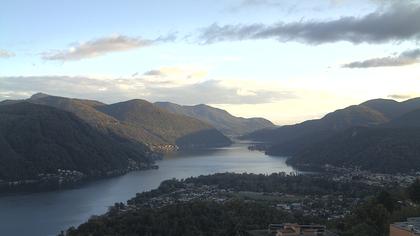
(414, 191)
(387, 200)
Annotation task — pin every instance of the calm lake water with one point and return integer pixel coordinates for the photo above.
(50, 212)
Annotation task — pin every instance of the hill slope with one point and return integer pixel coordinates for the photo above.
(393, 109)
(36, 139)
(136, 120)
(287, 140)
(387, 150)
(220, 119)
(87, 110)
(391, 147)
(172, 128)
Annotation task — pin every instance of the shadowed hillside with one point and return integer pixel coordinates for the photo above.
(37, 139)
(136, 120)
(388, 150)
(287, 140)
(389, 147)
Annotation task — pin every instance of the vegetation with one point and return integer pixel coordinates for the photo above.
(186, 219)
(378, 135)
(385, 150)
(280, 182)
(37, 139)
(172, 128)
(373, 217)
(359, 115)
(232, 217)
(136, 120)
(220, 119)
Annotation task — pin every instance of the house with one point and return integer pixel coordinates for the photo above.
(411, 227)
(297, 230)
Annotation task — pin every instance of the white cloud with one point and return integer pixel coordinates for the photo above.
(168, 85)
(102, 46)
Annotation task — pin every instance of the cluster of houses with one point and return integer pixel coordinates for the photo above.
(187, 194)
(370, 178)
(289, 229)
(323, 206)
(411, 227)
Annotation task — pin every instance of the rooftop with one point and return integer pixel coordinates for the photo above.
(412, 224)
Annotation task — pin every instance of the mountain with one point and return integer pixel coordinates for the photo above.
(138, 121)
(36, 140)
(338, 120)
(393, 109)
(386, 150)
(410, 119)
(223, 121)
(289, 140)
(295, 137)
(172, 128)
(391, 147)
(88, 111)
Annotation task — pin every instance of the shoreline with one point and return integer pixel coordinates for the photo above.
(62, 181)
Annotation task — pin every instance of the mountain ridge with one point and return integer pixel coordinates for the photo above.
(36, 140)
(135, 120)
(222, 120)
(391, 144)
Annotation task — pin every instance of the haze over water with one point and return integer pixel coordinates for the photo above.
(50, 212)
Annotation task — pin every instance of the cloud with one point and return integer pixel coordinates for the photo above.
(101, 46)
(217, 92)
(154, 73)
(294, 4)
(400, 96)
(406, 58)
(175, 75)
(248, 3)
(113, 90)
(399, 22)
(6, 54)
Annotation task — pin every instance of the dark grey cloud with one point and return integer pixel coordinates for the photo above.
(400, 22)
(400, 96)
(294, 5)
(113, 90)
(6, 54)
(102, 46)
(154, 73)
(403, 59)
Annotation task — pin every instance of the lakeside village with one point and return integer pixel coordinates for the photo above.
(326, 206)
(63, 178)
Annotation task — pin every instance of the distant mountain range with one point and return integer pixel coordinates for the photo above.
(44, 134)
(138, 120)
(223, 121)
(380, 135)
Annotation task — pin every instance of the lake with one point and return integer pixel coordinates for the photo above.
(48, 213)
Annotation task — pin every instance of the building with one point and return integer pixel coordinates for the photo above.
(297, 230)
(411, 227)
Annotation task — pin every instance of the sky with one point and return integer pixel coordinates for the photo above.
(284, 60)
